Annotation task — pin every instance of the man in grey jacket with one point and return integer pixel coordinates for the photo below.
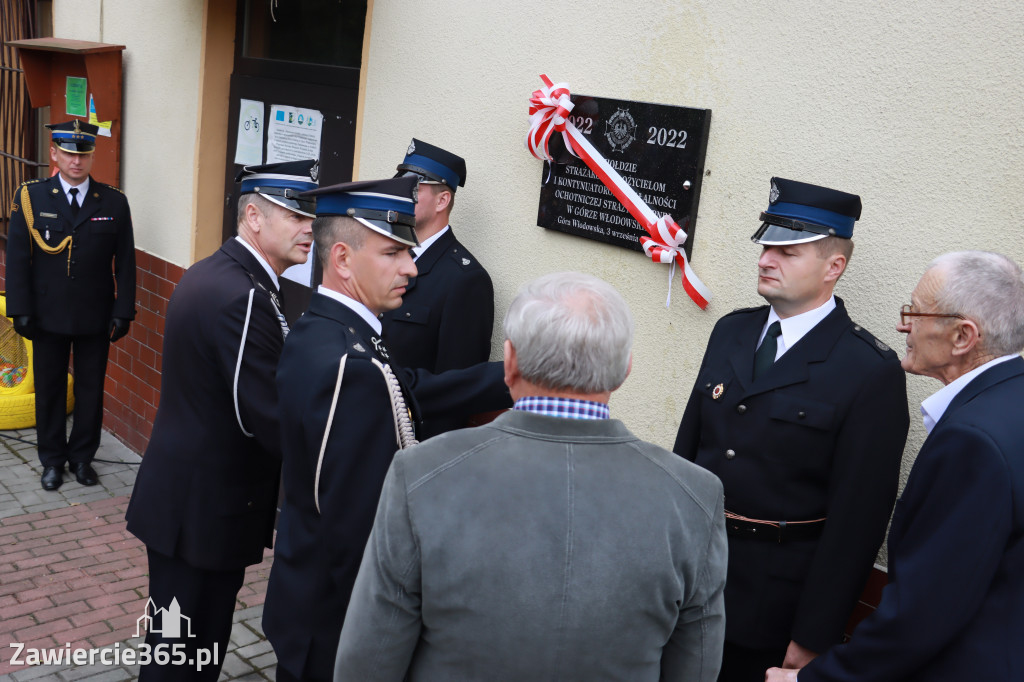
(551, 543)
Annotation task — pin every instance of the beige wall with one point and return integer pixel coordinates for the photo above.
(161, 84)
(915, 109)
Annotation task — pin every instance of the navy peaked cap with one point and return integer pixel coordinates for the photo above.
(433, 164)
(77, 137)
(385, 206)
(282, 183)
(799, 212)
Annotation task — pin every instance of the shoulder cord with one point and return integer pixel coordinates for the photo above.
(30, 219)
(238, 364)
(327, 433)
(404, 433)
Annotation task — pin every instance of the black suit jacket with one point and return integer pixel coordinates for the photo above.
(207, 486)
(71, 292)
(954, 605)
(318, 553)
(446, 318)
(820, 434)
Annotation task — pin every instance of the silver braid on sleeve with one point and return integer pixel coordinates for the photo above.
(404, 432)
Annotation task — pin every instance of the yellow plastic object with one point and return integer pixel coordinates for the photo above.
(15, 358)
(17, 385)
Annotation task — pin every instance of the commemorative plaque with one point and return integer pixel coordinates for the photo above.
(658, 149)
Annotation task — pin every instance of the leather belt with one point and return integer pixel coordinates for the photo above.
(772, 531)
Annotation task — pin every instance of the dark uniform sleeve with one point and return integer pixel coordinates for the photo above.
(862, 490)
(255, 392)
(460, 392)
(467, 321)
(124, 266)
(688, 436)
(19, 261)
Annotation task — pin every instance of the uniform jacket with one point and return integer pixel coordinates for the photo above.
(540, 548)
(207, 486)
(71, 292)
(954, 605)
(317, 554)
(820, 434)
(446, 317)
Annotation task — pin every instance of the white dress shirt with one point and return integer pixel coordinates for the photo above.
(934, 406)
(355, 305)
(417, 251)
(796, 327)
(262, 261)
(83, 189)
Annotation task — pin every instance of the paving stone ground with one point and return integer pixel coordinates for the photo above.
(71, 574)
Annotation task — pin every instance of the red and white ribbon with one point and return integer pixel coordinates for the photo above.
(550, 107)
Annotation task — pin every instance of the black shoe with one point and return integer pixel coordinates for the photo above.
(84, 473)
(53, 477)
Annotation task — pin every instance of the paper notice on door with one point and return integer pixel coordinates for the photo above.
(249, 147)
(293, 134)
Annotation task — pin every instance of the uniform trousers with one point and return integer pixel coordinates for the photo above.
(740, 664)
(51, 353)
(206, 599)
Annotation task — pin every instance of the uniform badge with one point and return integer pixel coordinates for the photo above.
(95, 195)
(466, 261)
(717, 392)
(359, 347)
(14, 207)
(773, 196)
(881, 345)
(314, 172)
(54, 190)
(412, 148)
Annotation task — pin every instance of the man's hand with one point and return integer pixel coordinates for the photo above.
(780, 675)
(118, 328)
(797, 656)
(23, 325)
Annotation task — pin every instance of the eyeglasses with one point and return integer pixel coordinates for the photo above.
(908, 311)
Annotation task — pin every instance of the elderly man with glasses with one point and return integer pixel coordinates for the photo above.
(954, 606)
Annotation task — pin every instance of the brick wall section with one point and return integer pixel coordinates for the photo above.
(132, 390)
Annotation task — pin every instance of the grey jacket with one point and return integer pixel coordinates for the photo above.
(539, 548)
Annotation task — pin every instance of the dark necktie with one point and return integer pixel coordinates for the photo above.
(74, 200)
(765, 355)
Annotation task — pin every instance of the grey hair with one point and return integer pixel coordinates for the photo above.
(987, 288)
(571, 331)
(331, 229)
(264, 205)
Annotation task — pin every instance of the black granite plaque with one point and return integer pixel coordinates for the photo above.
(658, 149)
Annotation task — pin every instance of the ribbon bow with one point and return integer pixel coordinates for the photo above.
(550, 107)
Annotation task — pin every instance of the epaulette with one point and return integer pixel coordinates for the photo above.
(31, 182)
(463, 258)
(116, 189)
(866, 336)
(355, 344)
(740, 311)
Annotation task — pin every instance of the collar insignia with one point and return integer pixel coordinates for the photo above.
(718, 391)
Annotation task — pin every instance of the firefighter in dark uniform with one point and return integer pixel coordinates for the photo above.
(205, 497)
(346, 408)
(70, 287)
(803, 416)
(447, 313)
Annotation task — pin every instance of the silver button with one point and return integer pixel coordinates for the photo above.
(741, 408)
(729, 454)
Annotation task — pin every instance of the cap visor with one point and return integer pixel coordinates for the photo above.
(304, 207)
(400, 233)
(75, 147)
(774, 235)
